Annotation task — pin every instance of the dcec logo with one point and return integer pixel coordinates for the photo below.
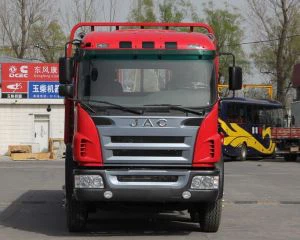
(22, 72)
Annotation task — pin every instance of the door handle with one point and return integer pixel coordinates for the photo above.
(35, 134)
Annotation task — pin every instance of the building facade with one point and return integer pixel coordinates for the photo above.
(33, 119)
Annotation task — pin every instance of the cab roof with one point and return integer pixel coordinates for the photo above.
(148, 39)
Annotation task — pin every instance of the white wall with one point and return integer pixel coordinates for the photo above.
(17, 120)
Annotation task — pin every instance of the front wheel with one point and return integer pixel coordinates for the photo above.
(243, 152)
(76, 215)
(209, 216)
(77, 212)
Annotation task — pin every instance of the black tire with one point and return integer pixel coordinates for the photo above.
(210, 216)
(220, 166)
(69, 166)
(76, 211)
(76, 215)
(243, 152)
(194, 216)
(290, 157)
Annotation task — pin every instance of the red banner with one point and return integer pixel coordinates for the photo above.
(15, 87)
(24, 72)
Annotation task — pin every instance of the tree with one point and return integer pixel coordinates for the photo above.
(89, 11)
(112, 11)
(111, 15)
(17, 18)
(174, 11)
(79, 11)
(49, 39)
(227, 29)
(277, 21)
(142, 11)
(163, 10)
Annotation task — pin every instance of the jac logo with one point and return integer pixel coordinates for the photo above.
(22, 72)
(14, 87)
(148, 123)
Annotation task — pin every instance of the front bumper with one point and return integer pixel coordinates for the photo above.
(134, 191)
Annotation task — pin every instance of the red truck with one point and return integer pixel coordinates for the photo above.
(141, 120)
(287, 137)
(287, 142)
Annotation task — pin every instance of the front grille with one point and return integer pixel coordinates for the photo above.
(146, 139)
(123, 145)
(153, 178)
(147, 153)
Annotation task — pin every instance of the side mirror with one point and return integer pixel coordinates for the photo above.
(65, 70)
(66, 90)
(235, 78)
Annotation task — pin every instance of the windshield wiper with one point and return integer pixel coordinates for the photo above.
(86, 105)
(175, 107)
(126, 109)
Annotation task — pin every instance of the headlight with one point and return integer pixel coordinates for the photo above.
(205, 182)
(88, 181)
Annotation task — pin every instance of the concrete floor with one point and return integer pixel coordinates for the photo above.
(261, 201)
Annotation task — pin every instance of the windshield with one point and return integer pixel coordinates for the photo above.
(136, 80)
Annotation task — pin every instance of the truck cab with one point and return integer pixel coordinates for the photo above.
(141, 120)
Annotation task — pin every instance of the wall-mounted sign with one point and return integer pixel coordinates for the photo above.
(43, 90)
(30, 71)
(30, 80)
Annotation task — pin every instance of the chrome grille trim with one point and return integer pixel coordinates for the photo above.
(175, 129)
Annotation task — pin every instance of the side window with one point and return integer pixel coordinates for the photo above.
(249, 113)
(230, 112)
(242, 113)
(252, 114)
(264, 116)
(236, 113)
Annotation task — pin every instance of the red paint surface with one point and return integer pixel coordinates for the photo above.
(139, 34)
(159, 37)
(86, 132)
(207, 133)
(282, 133)
(159, 34)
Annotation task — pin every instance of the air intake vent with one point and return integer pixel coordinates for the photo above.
(125, 44)
(171, 45)
(147, 153)
(195, 122)
(146, 139)
(150, 178)
(148, 44)
(83, 148)
(211, 148)
(102, 121)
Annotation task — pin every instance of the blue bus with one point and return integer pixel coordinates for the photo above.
(246, 126)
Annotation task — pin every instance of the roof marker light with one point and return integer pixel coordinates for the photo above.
(195, 46)
(102, 45)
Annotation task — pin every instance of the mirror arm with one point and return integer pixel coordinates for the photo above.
(229, 54)
(75, 42)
